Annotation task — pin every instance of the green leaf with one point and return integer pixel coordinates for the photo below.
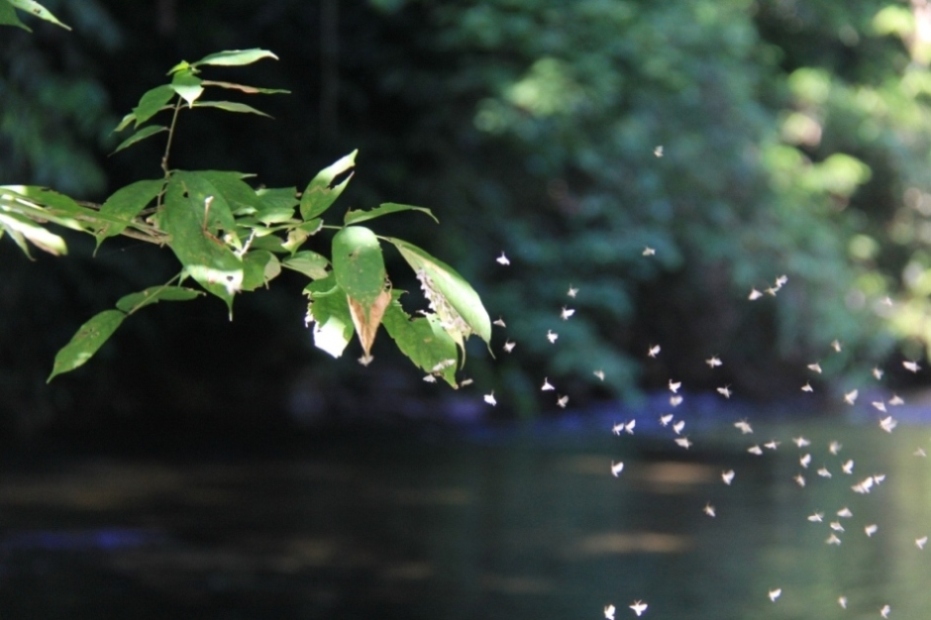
(279, 198)
(128, 120)
(88, 339)
(34, 233)
(139, 136)
(318, 196)
(125, 204)
(453, 299)
(205, 258)
(424, 341)
(259, 268)
(329, 310)
(187, 85)
(230, 106)
(152, 102)
(252, 90)
(354, 217)
(311, 264)
(8, 17)
(358, 264)
(154, 294)
(298, 235)
(239, 195)
(34, 8)
(18, 239)
(219, 215)
(231, 58)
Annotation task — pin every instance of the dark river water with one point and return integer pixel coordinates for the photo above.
(487, 524)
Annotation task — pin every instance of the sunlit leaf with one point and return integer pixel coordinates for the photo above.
(453, 299)
(423, 341)
(154, 294)
(231, 58)
(34, 233)
(298, 235)
(279, 197)
(311, 264)
(329, 310)
(85, 343)
(229, 106)
(318, 196)
(151, 102)
(358, 264)
(187, 85)
(354, 217)
(34, 8)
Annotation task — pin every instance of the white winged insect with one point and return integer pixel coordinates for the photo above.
(879, 405)
(805, 460)
(842, 601)
(896, 400)
(823, 472)
(772, 444)
(713, 361)
(572, 292)
(800, 480)
(609, 612)
(834, 447)
(639, 606)
(509, 346)
(648, 251)
(600, 374)
(845, 513)
(654, 350)
(665, 419)
(684, 442)
(877, 372)
(551, 336)
(911, 366)
(658, 152)
(566, 313)
(815, 367)
(774, 594)
(807, 387)
(847, 467)
(833, 539)
(547, 386)
(562, 401)
(816, 517)
(921, 542)
(725, 391)
(851, 396)
(757, 450)
(503, 260)
(888, 423)
(754, 294)
(490, 398)
(674, 386)
(871, 529)
(743, 426)
(801, 442)
(499, 322)
(678, 426)
(709, 510)
(727, 476)
(884, 611)
(675, 400)
(617, 468)
(836, 345)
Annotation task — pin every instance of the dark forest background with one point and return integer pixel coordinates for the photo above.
(795, 140)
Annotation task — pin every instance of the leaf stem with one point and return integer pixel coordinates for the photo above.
(171, 135)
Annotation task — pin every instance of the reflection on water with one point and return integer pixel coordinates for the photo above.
(525, 526)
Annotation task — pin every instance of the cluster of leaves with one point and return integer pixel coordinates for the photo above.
(230, 237)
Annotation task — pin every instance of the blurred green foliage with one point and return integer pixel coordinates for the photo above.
(795, 140)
